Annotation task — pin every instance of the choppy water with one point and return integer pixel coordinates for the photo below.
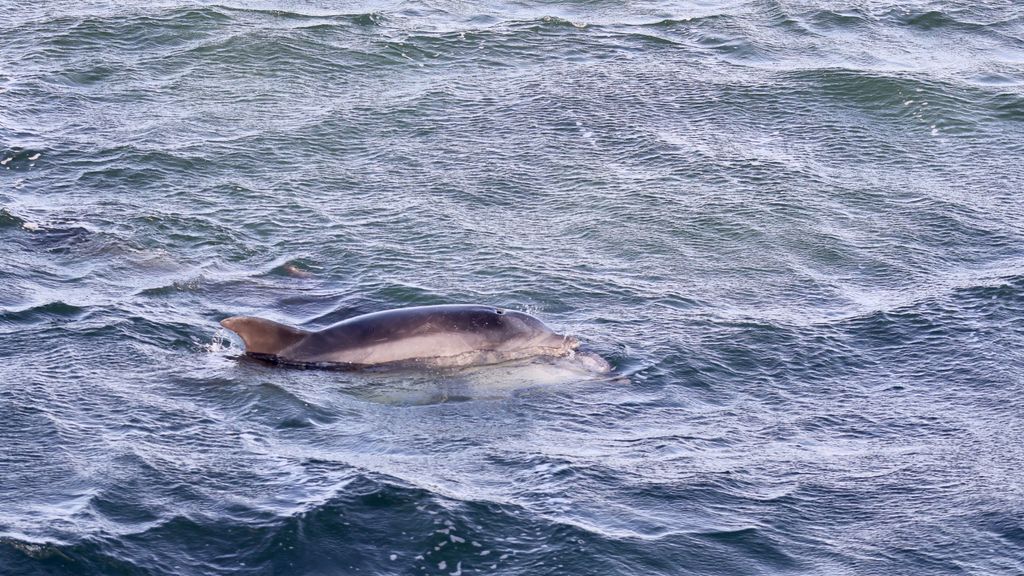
(797, 227)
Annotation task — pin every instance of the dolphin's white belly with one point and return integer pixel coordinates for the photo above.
(425, 347)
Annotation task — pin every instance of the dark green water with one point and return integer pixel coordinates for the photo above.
(796, 227)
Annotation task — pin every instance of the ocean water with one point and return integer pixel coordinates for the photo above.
(796, 229)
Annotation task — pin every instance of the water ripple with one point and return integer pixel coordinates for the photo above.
(795, 230)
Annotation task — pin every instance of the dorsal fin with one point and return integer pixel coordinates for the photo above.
(263, 336)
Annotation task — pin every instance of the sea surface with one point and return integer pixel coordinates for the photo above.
(795, 228)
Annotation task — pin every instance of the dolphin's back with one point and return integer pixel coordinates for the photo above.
(447, 335)
(406, 334)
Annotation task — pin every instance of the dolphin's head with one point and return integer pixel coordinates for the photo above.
(527, 331)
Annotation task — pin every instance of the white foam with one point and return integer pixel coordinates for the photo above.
(219, 342)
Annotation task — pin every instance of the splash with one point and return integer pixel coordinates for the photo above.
(218, 343)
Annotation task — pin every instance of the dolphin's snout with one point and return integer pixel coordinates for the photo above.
(593, 362)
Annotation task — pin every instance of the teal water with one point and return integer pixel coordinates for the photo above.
(795, 228)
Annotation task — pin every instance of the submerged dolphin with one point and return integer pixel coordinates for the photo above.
(436, 336)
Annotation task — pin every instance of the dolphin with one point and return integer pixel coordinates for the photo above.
(445, 336)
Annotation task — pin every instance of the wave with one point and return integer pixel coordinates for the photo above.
(386, 527)
(49, 311)
(20, 159)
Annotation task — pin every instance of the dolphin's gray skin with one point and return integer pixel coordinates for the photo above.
(437, 336)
